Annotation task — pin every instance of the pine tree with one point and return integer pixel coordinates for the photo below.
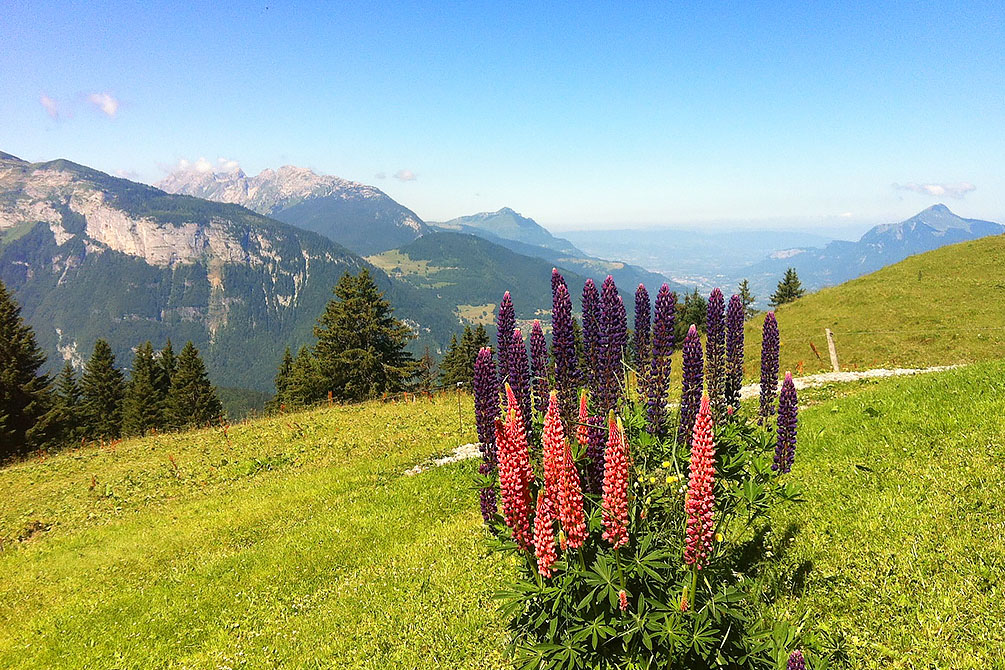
(24, 392)
(425, 376)
(282, 380)
(305, 384)
(747, 298)
(789, 289)
(102, 388)
(192, 400)
(453, 363)
(142, 407)
(694, 311)
(68, 406)
(361, 346)
(481, 339)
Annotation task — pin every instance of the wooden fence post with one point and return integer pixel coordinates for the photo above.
(832, 349)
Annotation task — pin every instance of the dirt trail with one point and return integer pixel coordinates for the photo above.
(809, 381)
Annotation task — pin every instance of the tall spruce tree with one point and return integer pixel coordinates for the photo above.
(361, 346)
(305, 384)
(747, 298)
(282, 380)
(452, 367)
(166, 364)
(68, 406)
(192, 400)
(24, 391)
(425, 375)
(102, 388)
(142, 407)
(789, 289)
(694, 311)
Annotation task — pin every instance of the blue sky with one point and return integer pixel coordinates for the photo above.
(814, 115)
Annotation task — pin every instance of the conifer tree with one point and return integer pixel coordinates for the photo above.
(789, 289)
(282, 380)
(361, 346)
(694, 311)
(305, 384)
(481, 339)
(166, 364)
(453, 363)
(142, 406)
(24, 392)
(425, 376)
(68, 406)
(747, 298)
(102, 388)
(192, 400)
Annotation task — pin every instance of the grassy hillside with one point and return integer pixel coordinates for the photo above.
(296, 541)
(941, 307)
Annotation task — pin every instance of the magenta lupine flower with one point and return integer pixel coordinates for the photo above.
(788, 420)
(539, 367)
(519, 376)
(591, 335)
(642, 316)
(690, 397)
(769, 366)
(505, 323)
(613, 338)
(715, 344)
(796, 661)
(658, 380)
(563, 349)
(734, 351)
(596, 448)
(700, 501)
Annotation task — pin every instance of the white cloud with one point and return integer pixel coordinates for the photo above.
(127, 174)
(105, 102)
(380, 175)
(957, 191)
(51, 108)
(204, 165)
(405, 175)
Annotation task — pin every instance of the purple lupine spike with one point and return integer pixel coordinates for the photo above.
(613, 335)
(690, 397)
(519, 376)
(563, 351)
(591, 335)
(486, 388)
(539, 367)
(556, 280)
(734, 351)
(715, 344)
(487, 495)
(788, 421)
(642, 316)
(796, 661)
(505, 323)
(658, 380)
(769, 366)
(595, 447)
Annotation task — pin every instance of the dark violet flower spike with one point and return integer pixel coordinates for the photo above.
(690, 397)
(539, 367)
(556, 280)
(613, 338)
(519, 376)
(658, 380)
(734, 351)
(595, 450)
(487, 495)
(796, 661)
(715, 360)
(769, 366)
(563, 351)
(591, 335)
(486, 389)
(788, 421)
(505, 323)
(642, 316)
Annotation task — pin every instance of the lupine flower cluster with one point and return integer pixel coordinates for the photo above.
(796, 661)
(642, 316)
(505, 323)
(788, 410)
(590, 435)
(561, 479)
(690, 396)
(519, 376)
(539, 367)
(591, 335)
(544, 533)
(769, 366)
(700, 503)
(563, 346)
(658, 380)
(515, 473)
(613, 338)
(486, 390)
(734, 351)
(615, 498)
(715, 344)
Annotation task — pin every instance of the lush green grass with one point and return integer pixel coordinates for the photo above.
(900, 547)
(941, 307)
(296, 543)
